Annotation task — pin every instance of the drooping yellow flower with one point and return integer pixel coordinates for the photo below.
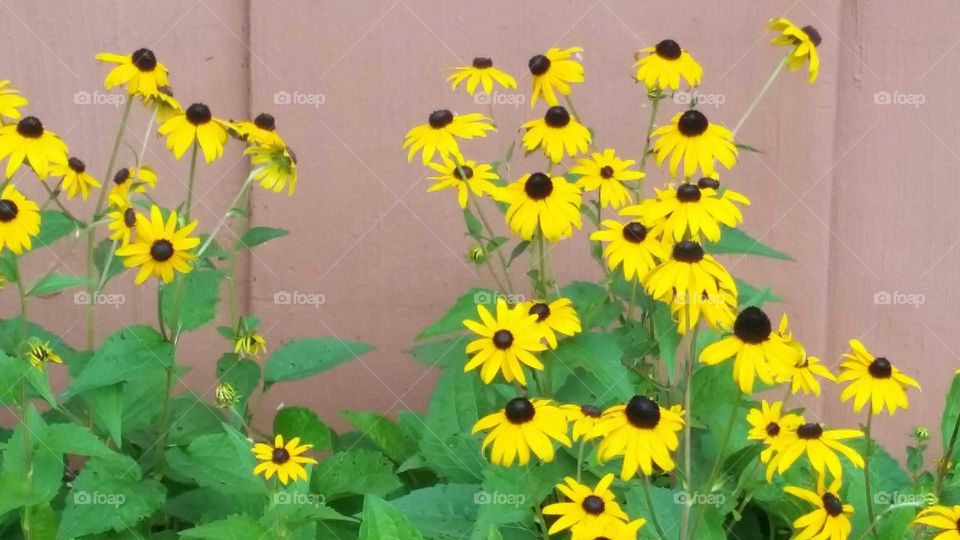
(262, 130)
(521, 427)
(284, 460)
(439, 135)
(130, 180)
(196, 125)
(660, 67)
(555, 132)
(466, 177)
(821, 447)
(249, 343)
(75, 177)
(481, 73)
(943, 518)
(505, 343)
(689, 211)
(695, 142)
(539, 202)
(29, 141)
(831, 517)
(631, 245)
(39, 353)
(553, 72)
(584, 420)
(553, 318)
(804, 42)
(140, 72)
(159, 248)
(275, 166)
(641, 431)
(802, 376)
(612, 530)
(586, 508)
(19, 220)
(873, 379)
(10, 101)
(123, 221)
(769, 425)
(606, 173)
(167, 106)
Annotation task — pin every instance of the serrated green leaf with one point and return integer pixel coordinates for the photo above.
(381, 521)
(194, 297)
(302, 358)
(54, 283)
(355, 471)
(54, 225)
(303, 423)
(737, 242)
(236, 527)
(464, 308)
(386, 435)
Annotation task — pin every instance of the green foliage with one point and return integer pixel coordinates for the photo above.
(302, 358)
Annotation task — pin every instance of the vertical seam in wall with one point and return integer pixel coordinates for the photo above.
(247, 302)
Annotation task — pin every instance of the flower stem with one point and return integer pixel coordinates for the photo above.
(233, 204)
(715, 470)
(188, 205)
(654, 105)
(651, 508)
(763, 91)
(583, 444)
(947, 457)
(24, 402)
(868, 449)
(687, 428)
(500, 257)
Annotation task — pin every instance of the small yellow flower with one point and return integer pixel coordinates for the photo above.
(641, 431)
(539, 202)
(139, 71)
(19, 220)
(160, 249)
(129, 180)
(75, 178)
(249, 343)
(196, 125)
(284, 460)
(227, 395)
(504, 344)
(804, 42)
(821, 447)
(588, 508)
(275, 167)
(941, 518)
(585, 419)
(29, 141)
(555, 132)
(769, 425)
(553, 72)
(690, 140)
(661, 67)
(873, 379)
(607, 174)
(481, 73)
(123, 221)
(262, 130)
(831, 516)
(439, 135)
(40, 353)
(553, 318)
(631, 245)
(521, 427)
(465, 176)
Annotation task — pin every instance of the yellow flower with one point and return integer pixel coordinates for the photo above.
(641, 431)
(830, 519)
(538, 201)
(662, 66)
(127, 180)
(589, 509)
(123, 221)
(167, 105)
(160, 248)
(263, 131)
(276, 167)
(687, 211)
(140, 71)
(556, 131)
(28, 140)
(691, 138)
(585, 419)
(607, 173)
(10, 100)
(505, 343)
(521, 427)
(40, 353)
(944, 518)
(612, 530)
(769, 425)
(820, 446)
(802, 376)
(196, 125)
(631, 245)
(553, 72)
(557, 317)
(466, 177)
(249, 343)
(284, 460)
(804, 42)
(481, 72)
(19, 220)
(873, 379)
(227, 395)
(75, 177)
(439, 134)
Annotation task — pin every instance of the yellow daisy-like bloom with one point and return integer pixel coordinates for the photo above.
(804, 42)
(557, 317)
(39, 353)
(820, 446)
(465, 177)
(691, 139)
(769, 425)
(262, 130)
(160, 248)
(556, 131)
(439, 135)
(586, 508)
(140, 71)
(874, 380)
(611, 530)
(830, 520)
(481, 73)
(284, 460)
(661, 67)
(123, 221)
(553, 72)
(19, 220)
(127, 180)
(75, 177)
(28, 140)
(584, 419)
(757, 350)
(249, 343)
(196, 125)
(167, 105)
(505, 343)
(10, 101)
(802, 376)
(521, 427)
(276, 167)
(694, 284)
(631, 245)
(641, 431)
(944, 518)
(538, 201)
(607, 173)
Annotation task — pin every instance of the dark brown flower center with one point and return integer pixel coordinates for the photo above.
(880, 368)
(161, 250)
(8, 210)
(482, 63)
(463, 172)
(538, 186)
(810, 431)
(440, 119)
(606, 171)
(265, 121)
(813, 34)
(541, 310)
(752, 326)
(832, 504)
(539, 64)
(692, 123)
(280, 456)
(688, 193)
(668, 49)
(198, 114)
(502, 339)
(708, 183)
(519, 410)
(30, 127)
(76, 165)
(687, 251)
(773, 429)
(591, 411)
(557, 117)
(122, 176)
(593, 505)
(144, 59)
(634, 232)
(129, 217)
(642, 412)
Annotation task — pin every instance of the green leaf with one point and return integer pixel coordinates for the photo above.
(464, 308)
(356, 471)
(71, 439)
(302, 422)
(386, 435)
(236, 527)
(950, 422)
(54, 225)
(755, 296)
(442, 511)
(381, 521)
(442, 353)
(302, 358)
(259, 235)
(599, 354)
(517, 251)
(668, 339)
(474, 227)
(101, 254)
(593, 305)
(197, 295)
(220, 461)
(738, 242)
(123, 357)
(54, 283)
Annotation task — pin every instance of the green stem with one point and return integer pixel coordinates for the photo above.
(687, 428)
(868, 443)
(24, 403)
(160, 323)
(654, 106)
(542, 523)
(188, 205)
(233, 204)
(763, 92)
(583, 444)
(715, 470)
(652, 508)
(499, 251)
(947, 457)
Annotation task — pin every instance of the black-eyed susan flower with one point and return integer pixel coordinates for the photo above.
(555, 132)
(159, 248)
(539, 202)
(821, 447)
(129, 180)
(39, 353)
(19, 220)
(606, 173)
(587, 508)
(611, 530)
(804, 42)
(481, 73)
(227, 395)
(584, 420)
(275, 167)
(247, 342)
(553, 318)
(284, 460)
(466, 177)
(802, 376)
(769, 425)
(75, 177)
(167, 106)
(123, 221)
(262, 130)
(661, 67)
(139, 71)
(10, 101)
(689, 211)
(505, 343)
(757, 350)
(696, 143)
(521, 427)
(196, 125)
(439, 135)
(831, 517)
(553, 72)
(873, 379)
(630, 245)
(944, 519)
(29, 141)
(641, 431)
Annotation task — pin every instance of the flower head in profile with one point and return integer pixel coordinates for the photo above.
(523, 427)
(123, 221)
(275, 167)
(630, 245)
(129, 180)
(769, 425)
(661, 67)
(584, 419)
(944, 519)
(690, 140)
(196, 125)
(586, 507)
(830, 517)
(804, 42)
(555, 132)
(166, 105)
(481, 73)
(553, 318)
(641, 431)
(439, 135)
(29, 141)
(504, 343)
(262, 130)
(19, 220)
(466, 177)
(39, 353)
(802, 375)
(284, 460)
(10, 101)
(139, 71)
(539, 202)
(76, 179)
(160, 248)
(553, 73)
(247, 342)
(606, 173)
(874, 380)
(821, 446)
